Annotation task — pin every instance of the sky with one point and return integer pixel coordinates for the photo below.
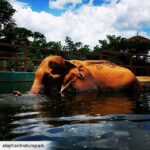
(84, 20)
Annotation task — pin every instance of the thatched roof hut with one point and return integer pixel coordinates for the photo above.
(139, 44)
(139, 39)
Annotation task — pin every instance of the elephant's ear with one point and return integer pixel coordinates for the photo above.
(70, 65)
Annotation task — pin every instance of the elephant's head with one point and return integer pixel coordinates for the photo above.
(50, 74)
(78, 80)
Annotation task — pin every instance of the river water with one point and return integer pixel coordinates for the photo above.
(81, 121)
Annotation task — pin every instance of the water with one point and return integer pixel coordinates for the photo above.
(82, 121)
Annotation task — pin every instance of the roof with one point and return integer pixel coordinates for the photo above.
(140, 39)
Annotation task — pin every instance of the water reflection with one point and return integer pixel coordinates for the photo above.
(88, 104)
(82, 121)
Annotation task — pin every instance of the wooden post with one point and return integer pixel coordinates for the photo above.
(130, 63)
(16, 63)
(25, 59)
(101, 55)
(56, 53)
(130, 60)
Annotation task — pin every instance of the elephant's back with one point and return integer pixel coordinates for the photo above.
(112, 76)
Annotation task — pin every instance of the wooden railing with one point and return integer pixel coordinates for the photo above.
(14, 61)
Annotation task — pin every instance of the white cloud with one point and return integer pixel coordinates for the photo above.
(18, 5)
(60, 4)
(89, 23)
(133, 14)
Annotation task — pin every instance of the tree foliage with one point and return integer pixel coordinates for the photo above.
(113, 42)
(6, 13)
(118, 43)
(54, 45)
(10, 33)
(22, 36)
(6, 21)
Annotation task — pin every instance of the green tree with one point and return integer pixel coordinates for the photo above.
(6, 13)
(96, 49)
(8, 34)
(85, 49)
(22, 36)
(54, 45)
(38, 36)
(113, 42)
(71, 46)
(6, 22)
(117, 43)
(38, 41)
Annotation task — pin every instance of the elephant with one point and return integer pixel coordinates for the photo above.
(55, 74)
(100, 76)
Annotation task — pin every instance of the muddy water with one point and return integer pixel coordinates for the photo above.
(82, 121)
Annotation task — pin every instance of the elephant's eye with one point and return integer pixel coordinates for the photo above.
(80, 76)
(52, 64)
